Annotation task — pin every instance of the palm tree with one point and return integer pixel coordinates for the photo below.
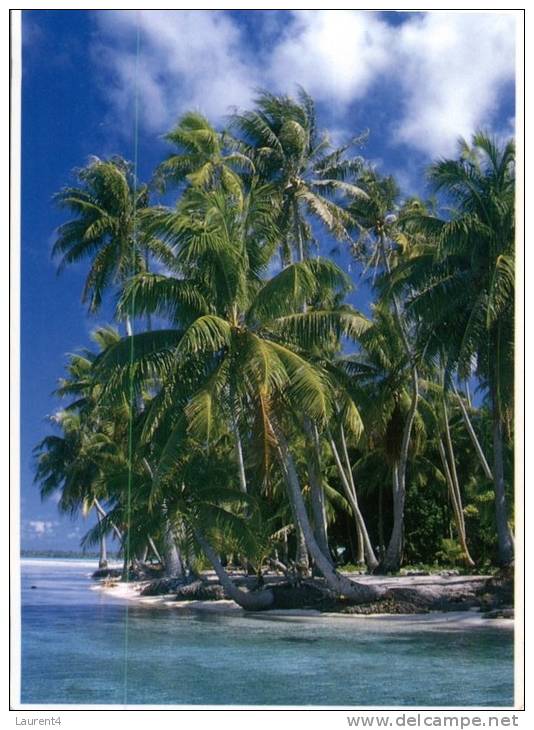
(464, 293)
(238, 336)
(203, 158)
(280, 135)
(289, 151)
(106, 227)
(71, 462)
(375, 218)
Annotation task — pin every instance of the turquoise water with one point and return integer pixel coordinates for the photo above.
(73, 651)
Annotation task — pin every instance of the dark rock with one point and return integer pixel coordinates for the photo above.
(497, 592)
(385, 605)
(139, 571)
(145, 571)
(200, 591)
(102, 573)
(305, 595)
(163, 586)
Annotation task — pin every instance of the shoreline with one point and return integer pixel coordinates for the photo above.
(462, 619)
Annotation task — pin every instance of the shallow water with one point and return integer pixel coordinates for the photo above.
(81, 646)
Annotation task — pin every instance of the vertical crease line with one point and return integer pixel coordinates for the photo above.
(131, 364)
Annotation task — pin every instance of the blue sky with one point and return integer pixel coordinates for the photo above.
(416, 81)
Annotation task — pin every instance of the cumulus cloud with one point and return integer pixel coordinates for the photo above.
(334, 54)
(443, 73)
(40, 528)
(188, 59)
(453, 70)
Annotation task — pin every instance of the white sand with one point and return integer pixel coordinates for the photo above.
(436, 619)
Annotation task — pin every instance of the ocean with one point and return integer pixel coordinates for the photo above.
(80, 646)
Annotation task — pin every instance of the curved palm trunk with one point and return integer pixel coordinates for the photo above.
(102, 512)
(256, 601)
(154, 550)
(302, 558)
(350, 492)
(455, 485)
(365, 549)
(473, 436)
(338, 583)
(239, 457)
(381, 540)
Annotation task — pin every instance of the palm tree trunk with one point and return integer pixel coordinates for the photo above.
(102, 512)
(504, 534)
(393, 557)
(302, 559)
(456, 505)
(316, 487)
(103, 557)
(298, 232)
(256, 601)
(473, 436)
(239, 457)
(155, 550)
(171, 554)
(364, 543)
(381, 539)
(350, 493)
(341, 585)
(456, 489)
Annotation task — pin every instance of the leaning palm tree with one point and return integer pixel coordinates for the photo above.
(281, 136)
(464, 291)
(233, 356)
(70, 462)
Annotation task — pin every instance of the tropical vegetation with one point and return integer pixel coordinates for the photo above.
(240, 411)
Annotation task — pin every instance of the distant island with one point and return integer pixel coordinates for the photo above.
(63, 554)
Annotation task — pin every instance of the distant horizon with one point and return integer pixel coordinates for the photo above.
(52, 552)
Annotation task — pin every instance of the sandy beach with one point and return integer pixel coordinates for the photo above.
(435, 619)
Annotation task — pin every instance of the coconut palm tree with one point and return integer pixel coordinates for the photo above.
(237, 334)
(375, 217)
(281, 136)
(106, 227)
(464, 292)
(203, 158)
(71, 462)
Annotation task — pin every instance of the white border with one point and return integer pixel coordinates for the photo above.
(241, 717)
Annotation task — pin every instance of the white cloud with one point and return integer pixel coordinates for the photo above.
(333, 54)
(39, 528)
(188, 59)
(452, 71)
(444, 72)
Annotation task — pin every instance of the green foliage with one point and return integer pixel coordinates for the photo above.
(242, 344)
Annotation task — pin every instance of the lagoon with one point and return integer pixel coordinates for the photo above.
(81, 646)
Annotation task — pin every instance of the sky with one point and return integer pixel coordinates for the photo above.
(415, 81)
